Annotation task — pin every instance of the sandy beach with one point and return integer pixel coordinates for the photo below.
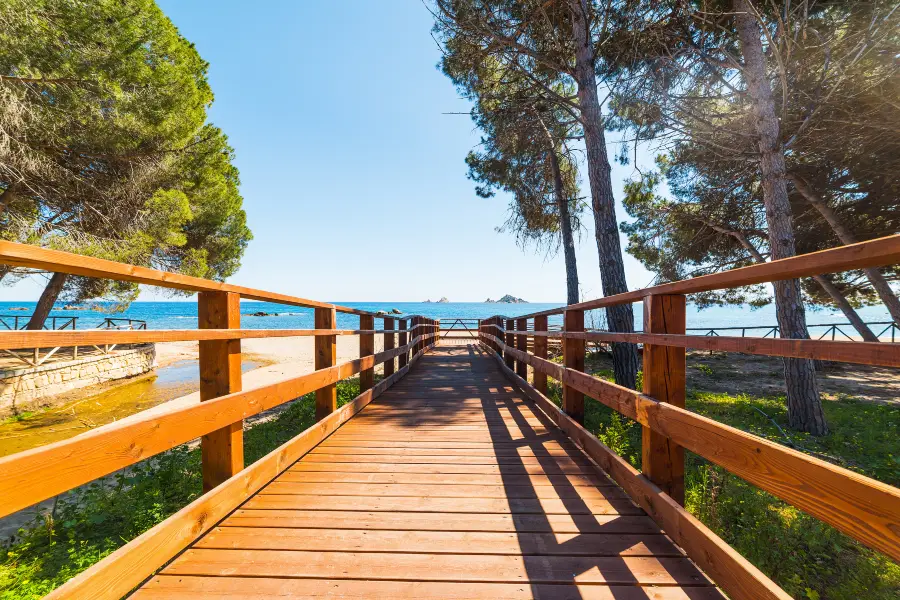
(283, 358)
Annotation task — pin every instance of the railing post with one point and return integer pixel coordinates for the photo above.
(366, 348)
(326, 356)
(540, 351)
(510, 340)
(664, 380)
(403, 359)
(437, 332)
(389, 344)
(573, 358)
(221, 451)
(522, 346)
(414, 333)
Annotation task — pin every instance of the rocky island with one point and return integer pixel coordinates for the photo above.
(508, 299)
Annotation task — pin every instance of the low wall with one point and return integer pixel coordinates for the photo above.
(30, 387)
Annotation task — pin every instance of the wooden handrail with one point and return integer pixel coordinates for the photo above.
(56, 261)
(47, 339)
(873, 253)
(864, 353)
(861, 507)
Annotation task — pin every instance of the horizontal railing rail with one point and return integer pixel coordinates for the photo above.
(861, 507)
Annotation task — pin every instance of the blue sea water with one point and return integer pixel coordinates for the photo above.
(183, 315)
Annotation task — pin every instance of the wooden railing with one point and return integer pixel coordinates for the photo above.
(36, 475)
(863, 508)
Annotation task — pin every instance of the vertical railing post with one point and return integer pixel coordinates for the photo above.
(540, 351)
(389, 344)
(414, 334)
(522, 346)
(664, 379)
(573, 358)
(366, 348)
(402, 339)
(326, 356)
(510, 340)
(221, 451)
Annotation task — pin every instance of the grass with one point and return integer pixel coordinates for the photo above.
(104, 515)
(808, 558)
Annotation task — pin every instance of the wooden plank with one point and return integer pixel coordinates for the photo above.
(366, 347)
(222, 450)
(573, 359)
(118, 573)
(731, 571)
(436, 542)
(183, 587)
(444, 468)
(440, 490)
(389, 344)
(664, 379)
(441, 459)
(411, 521)
(540, 350)
(588, 506)
(41, 473)
(450, 567)
(499, 479)
(25, 255)
(511, 450)
(326, 356)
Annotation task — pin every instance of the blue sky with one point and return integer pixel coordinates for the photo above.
(353, 180)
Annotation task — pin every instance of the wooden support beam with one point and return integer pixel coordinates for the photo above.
(403, 359)
(510, 339)
(664, 380)
(540, 350)
(522, 344)
(366, 348)
(389, 344)
(222, 451)
(326, 356)
(573, 358)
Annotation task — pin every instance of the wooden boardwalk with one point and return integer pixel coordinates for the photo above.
(450, 485)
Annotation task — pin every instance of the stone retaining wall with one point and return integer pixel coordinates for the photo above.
(30, 387)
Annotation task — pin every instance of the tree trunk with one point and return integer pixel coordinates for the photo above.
(876, 278)
(803, 402)
(612, 270)
(846, 308)
(565, 231)
(47, 300)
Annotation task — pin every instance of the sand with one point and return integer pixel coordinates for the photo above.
(283, 358)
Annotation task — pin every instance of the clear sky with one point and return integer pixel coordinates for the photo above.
(353, 178)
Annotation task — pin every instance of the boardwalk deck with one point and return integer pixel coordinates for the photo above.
(451, 485)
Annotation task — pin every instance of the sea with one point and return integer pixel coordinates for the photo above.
(183, 315)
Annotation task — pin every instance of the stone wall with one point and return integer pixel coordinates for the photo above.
(30, 387)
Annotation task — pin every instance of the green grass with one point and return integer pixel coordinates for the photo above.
(106, 514)
(808, 558)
